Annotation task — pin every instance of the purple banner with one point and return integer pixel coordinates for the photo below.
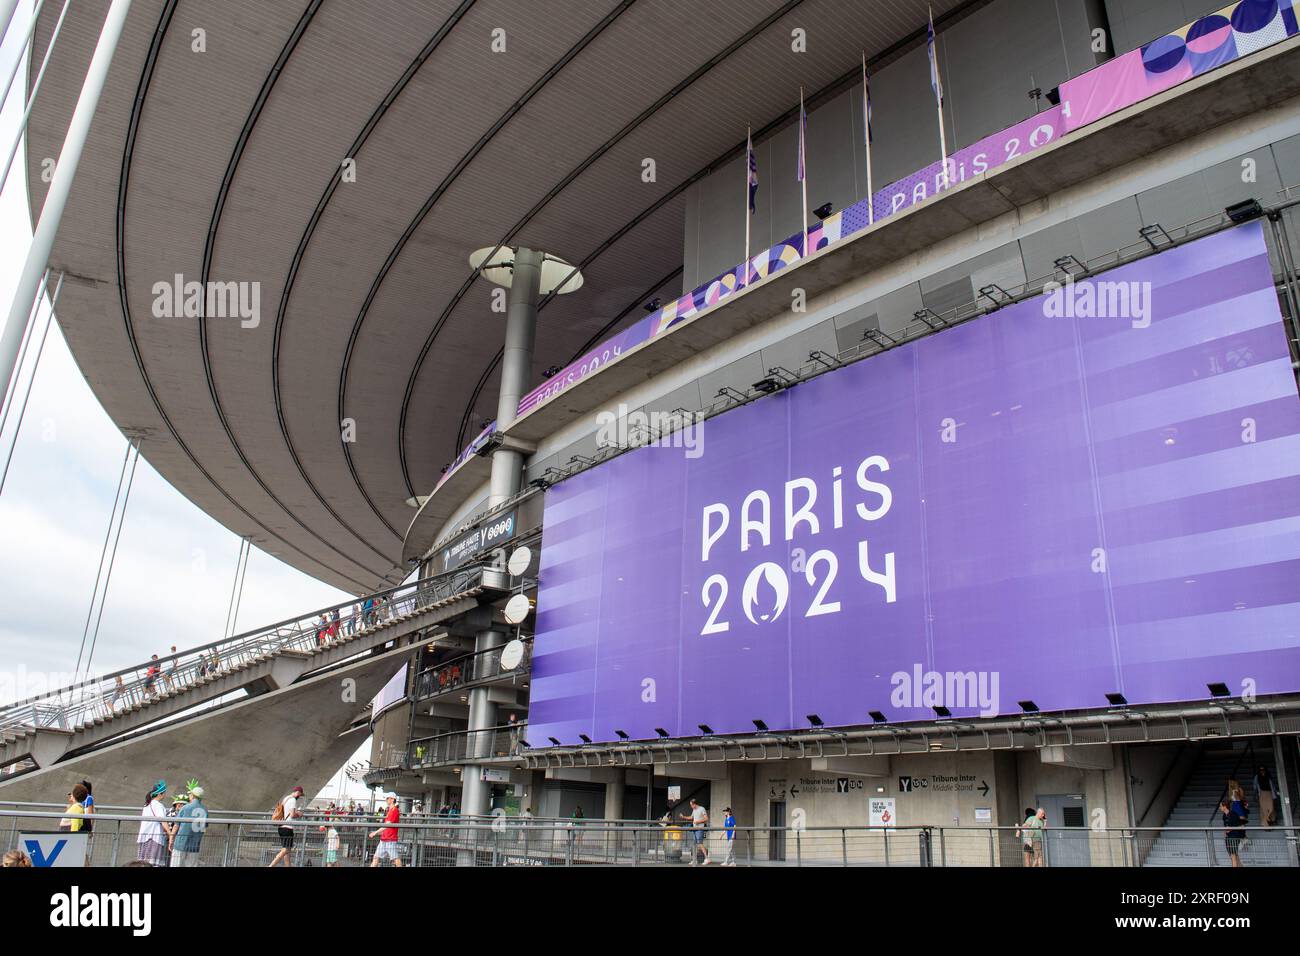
(1210, 42)
(1203, 45)
(1090, 492)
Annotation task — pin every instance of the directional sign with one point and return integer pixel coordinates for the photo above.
(984, 788)
(61, 848)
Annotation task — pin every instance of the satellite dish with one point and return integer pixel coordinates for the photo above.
(517, 608)
(519, 561)
(511, 655)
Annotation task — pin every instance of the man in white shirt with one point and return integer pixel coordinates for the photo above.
(289, 810)
(699, 818)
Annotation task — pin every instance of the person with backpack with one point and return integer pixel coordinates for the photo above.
(88, 804)
(1233, 820)
(285, 812)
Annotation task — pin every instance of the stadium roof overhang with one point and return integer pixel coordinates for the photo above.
(363, 353)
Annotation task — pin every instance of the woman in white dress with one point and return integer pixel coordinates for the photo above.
(152, 841)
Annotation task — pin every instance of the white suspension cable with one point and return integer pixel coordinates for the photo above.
(112, 557)
(22, 50)
(31, 380)
(234, 587)
(8, 6)
(22, 355)
(239, 596)
(31, 97)
(103, 556)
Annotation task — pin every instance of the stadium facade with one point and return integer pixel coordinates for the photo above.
(932, 457)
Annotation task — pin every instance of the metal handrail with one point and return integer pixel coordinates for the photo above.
(230, 839)
(71, 707)
(466, 671)
(1247, 751)
(506, 740)
(424, 819)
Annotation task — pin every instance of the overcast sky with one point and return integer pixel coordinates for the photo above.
(175, 566)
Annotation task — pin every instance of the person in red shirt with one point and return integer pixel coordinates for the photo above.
(387, 849)
(151, 675)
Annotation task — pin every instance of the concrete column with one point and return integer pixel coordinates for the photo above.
(482, 715)
(516, 367)
(521, 327)
(1284, 798)
(614, 792)
(536, 787)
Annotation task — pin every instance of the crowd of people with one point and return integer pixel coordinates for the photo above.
(166, 676)
(1234, 811)
(172, 829)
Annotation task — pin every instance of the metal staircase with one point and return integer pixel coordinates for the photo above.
(81, 717)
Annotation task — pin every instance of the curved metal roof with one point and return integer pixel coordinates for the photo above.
(223, 165)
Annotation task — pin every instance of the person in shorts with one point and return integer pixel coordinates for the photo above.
(1233, 821)
(699, 818)
(1026, 835)
(387, 849)
(1034, 827)
(332, 845)
(286, 811)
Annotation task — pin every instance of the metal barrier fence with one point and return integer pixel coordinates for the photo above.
(426, 841)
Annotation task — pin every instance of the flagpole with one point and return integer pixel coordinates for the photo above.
(866, 139)
(803, 179)
(943, 143)
(937, 82)
(749, 152)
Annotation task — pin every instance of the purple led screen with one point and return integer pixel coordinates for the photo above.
(1090, 492)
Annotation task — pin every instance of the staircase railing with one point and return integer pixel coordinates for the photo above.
(1247, 751)
(75, 705)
